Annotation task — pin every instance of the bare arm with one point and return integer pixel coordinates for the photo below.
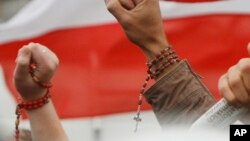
(178, 97)
(45, 124)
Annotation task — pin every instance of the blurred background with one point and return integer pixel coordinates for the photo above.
(97, 84)
(9, 8)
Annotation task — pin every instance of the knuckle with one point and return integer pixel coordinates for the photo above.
(244, 65)
(50, 68)
(233, 78)
(222, 89)
(111, 6)
(231, 69)
(21, 50)
(22, 63)
(31, 44)
(234, 82)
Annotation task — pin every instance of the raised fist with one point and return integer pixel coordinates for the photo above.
(45, 62)
(234, 86)
(142, 22)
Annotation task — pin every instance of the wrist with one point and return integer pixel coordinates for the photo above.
(151, 49)
(28, 105)
(33, 95)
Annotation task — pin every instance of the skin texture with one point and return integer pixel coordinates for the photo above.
(142, 23)
(47, 63)
(25, 135)
(45, 124)
(234, 85)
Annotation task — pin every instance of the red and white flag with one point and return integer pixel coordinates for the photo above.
(100, 71)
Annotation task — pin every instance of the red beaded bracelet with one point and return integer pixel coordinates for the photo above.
(34, 104)
(166, 58)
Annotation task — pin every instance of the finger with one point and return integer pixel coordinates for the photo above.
(47, 51)
(116, 9)
(127, 4)
(22, 63)
(42, 55)
(237, 86)
(244, 67)
(45, 59)
(226, 92)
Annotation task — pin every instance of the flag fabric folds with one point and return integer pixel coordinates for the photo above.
(100, 71)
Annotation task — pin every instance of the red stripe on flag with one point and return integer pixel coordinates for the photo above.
(101, 71)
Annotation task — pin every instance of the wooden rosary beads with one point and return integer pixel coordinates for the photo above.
(166, 58)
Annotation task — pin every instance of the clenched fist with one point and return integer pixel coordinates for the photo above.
(46, 62)
(142, 22)
(234, 86)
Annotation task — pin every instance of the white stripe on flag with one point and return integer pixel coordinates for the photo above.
(42, 16)
(7, 109)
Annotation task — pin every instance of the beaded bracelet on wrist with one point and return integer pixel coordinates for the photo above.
(156, 67)
(34, 104)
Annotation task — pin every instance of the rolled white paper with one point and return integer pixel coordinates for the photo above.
(220, 116)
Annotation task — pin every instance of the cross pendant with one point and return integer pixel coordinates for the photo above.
(137, 119)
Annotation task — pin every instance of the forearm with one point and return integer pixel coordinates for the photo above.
(153, 48)
(35, 67)
(142, 23)
(45, 124)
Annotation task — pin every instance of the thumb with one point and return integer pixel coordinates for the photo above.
(116, 9)
(22, 63)
(128, 4)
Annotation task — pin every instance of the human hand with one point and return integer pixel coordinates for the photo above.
(141, 21)
(46, 62)
(234, 86)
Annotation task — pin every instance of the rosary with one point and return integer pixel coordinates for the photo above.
(163, 60)
(34, 104)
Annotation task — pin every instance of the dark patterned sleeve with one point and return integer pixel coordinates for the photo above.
(179, 97)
